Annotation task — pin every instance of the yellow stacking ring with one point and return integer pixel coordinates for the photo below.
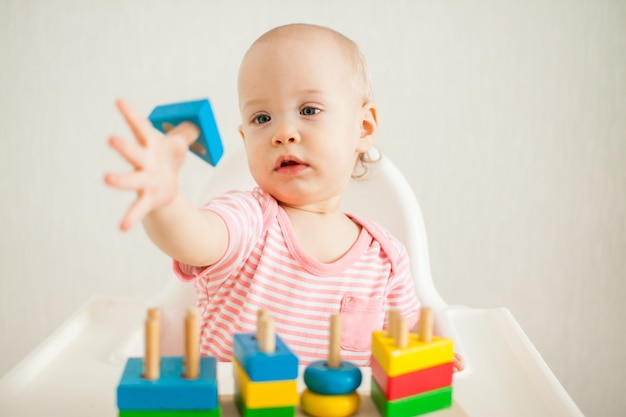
(318, 405)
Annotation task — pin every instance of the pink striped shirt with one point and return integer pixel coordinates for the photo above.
(264, 267)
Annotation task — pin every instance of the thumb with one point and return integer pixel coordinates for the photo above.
(188, 131)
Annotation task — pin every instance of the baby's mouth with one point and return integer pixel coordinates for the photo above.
(287, 161)
(289, 164)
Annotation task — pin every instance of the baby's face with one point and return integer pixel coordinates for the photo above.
(302, 119)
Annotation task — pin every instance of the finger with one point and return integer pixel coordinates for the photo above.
(135, 213)
(140, 126)
(126, 181)
(131, 152)
(188, 131)
(459, 364)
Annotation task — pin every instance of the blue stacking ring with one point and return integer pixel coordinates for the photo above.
(321, 379)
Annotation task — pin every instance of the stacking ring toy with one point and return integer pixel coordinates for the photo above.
(322, 379)
(318, 405)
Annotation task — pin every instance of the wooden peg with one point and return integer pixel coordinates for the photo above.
(401, 339)
(192, 344)
(152, 345)
(392, 323)
(154, 313)
(426, 325)
(266, 335)
(334, 342)
(260, 314)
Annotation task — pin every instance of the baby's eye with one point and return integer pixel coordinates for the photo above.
(262, 118)
(309, 111)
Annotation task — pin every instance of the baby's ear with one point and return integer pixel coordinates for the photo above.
(243, 135)
(369, 127)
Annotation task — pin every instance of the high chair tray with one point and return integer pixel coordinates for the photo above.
(75, 372)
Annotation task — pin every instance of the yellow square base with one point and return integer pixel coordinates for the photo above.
(266, 394)
(416, 356)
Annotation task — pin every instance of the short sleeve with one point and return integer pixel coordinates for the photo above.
(401, 291)
(244, 214)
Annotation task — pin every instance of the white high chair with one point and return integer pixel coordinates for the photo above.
(504, 374)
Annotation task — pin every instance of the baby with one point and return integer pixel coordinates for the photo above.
(308, 121)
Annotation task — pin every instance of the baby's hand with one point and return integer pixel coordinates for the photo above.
(156, 160)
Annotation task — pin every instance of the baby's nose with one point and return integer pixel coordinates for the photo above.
(286, 133)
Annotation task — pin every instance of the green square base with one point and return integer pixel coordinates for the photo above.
(171, 413)
(411, 406)
(263, 412)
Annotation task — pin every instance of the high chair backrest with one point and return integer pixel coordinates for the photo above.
(385, 196)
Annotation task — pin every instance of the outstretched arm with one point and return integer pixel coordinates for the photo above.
(178, 228)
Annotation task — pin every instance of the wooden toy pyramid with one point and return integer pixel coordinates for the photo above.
(332, 383)
(265, 372)
(169, 386)
(411, 373)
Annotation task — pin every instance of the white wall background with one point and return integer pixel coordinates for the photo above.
(508, 118)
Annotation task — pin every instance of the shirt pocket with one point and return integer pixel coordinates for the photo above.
(360, 317)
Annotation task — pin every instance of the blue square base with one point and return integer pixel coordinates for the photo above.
(171, 391)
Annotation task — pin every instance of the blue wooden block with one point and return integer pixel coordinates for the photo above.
(261, 366)
(171, 391)
(209, 145)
